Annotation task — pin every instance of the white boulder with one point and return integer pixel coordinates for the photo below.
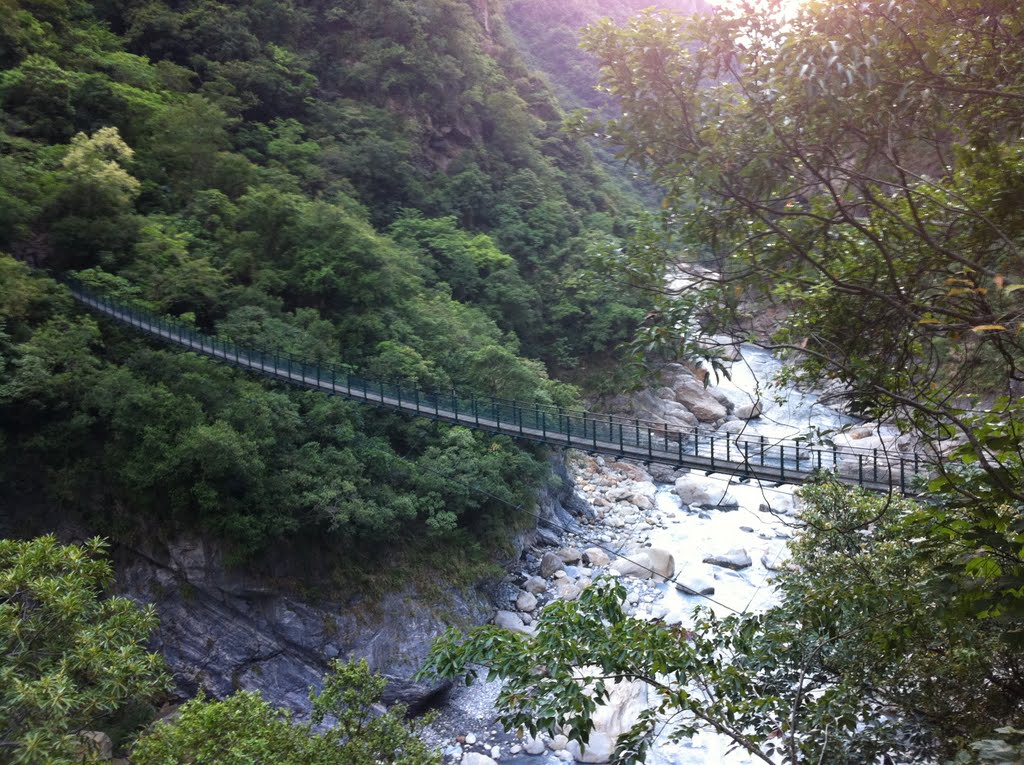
(736, 560)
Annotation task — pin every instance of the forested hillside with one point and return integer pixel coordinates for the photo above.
(381, 185)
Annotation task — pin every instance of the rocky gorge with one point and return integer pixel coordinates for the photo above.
(675, 540)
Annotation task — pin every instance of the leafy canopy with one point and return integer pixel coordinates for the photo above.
(70, 657)
(244, 728)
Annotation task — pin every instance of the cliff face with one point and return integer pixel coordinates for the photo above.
(222, 631)
(223, 628)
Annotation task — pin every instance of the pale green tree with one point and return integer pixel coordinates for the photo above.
(68, 656)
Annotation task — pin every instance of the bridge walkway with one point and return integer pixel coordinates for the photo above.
(748, 457)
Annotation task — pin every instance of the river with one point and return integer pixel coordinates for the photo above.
(760, 522)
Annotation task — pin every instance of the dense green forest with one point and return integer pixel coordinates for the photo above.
(380, 185)
(388, 187)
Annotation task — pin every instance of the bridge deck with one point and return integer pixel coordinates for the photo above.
(750, 457)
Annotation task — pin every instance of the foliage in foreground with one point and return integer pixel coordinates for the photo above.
(69, 658)
(863, 658)
(244, 728)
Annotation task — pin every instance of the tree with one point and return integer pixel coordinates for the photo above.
(856, 165)
(69, 656)
(244, 728)
(859, 167)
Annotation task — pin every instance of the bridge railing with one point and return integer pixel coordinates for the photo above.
(628, 437)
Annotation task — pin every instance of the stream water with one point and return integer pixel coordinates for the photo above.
(763, 533)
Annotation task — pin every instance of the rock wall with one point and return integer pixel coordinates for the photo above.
(223, 629)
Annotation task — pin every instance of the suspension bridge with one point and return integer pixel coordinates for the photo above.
(747, 457)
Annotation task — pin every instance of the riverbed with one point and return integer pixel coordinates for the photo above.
(757, 520)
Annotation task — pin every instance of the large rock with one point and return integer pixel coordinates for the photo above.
(734, 427)
(567, 589)
(699, 401)
(475, 758)
(595, 557)
(647, 405)
(96, 744)
(533, 745)
(646, 563)
(535, 585)
(526, 601)
(694, 584)
(779, 562)
(626, 701)
(550, 563)
(693, 492)
(569, 555)
(749, 411)
(737, 559)
(631, 471)
(619, 493)
(696, 492)
(662, 561)
(666, 473)
(599, 748)
(510, 620)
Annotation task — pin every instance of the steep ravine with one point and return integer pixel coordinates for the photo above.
(721, 538)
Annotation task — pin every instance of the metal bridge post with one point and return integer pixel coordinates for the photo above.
(782, 462)
(455, 406)
(728, 449)
(874, 472)
(568, 427)
(860, 468)
(476, 409)
(416, 398)
(621, 448)
(398, 393)
(544, 425)
(711, 438)
(903, 476)
(649, 447)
